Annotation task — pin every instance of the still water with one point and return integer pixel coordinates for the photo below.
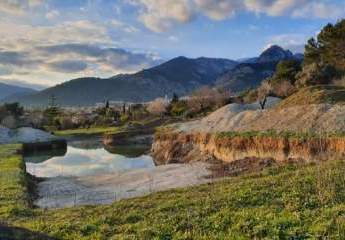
(87, 156)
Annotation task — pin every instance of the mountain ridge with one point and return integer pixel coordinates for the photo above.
(252, 71)
(180, 75)
(8, 90)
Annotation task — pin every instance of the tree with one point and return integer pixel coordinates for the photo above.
(9, 121)
(52, 111)
(175, 98)
(157, 107)
(207, 98)
(263, 92)
(314, 74)
(328, 48)
(14, 109)
(286, 71)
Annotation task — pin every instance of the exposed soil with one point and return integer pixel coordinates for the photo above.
(321, 118)
(184, 147)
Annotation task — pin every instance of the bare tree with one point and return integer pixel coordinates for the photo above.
(206, 97)
(157, 106)
(263, 92)
(283, 89)
(9, 122)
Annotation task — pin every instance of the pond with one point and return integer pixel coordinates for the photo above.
(87, 156)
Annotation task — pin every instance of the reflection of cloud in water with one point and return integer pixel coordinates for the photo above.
(81, 162)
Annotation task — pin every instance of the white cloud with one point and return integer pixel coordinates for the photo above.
(52, 14)
(160, 16)
(293, 42)
(123, 26)
(66, 50)
(17, 36)
(18, 7)
(219, 9)
(320, 10)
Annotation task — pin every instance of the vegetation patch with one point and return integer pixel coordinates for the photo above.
(280, 134)
(87, 131)
(14, 193)
(315, 95)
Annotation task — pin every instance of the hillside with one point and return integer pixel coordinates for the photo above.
(180, 75)
(7, 91)
(250, 72)
(315, 95)
(286, 116)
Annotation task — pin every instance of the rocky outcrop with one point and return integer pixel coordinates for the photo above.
(186, 147)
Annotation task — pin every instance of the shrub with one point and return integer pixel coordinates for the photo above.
(315, 74)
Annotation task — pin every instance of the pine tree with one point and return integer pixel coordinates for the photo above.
(53, 110)
(328, 48)
(175, 98)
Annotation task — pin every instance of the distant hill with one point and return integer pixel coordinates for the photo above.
(250, 72)
(9, 91)
(180, 75)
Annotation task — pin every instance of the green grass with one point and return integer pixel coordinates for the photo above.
(288, 202)
(315, 95)
(87, 131)
(13, 182)
(281, 134)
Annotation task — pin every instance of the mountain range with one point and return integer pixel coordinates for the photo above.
(250, 72)
(180, 75)
(8, 91)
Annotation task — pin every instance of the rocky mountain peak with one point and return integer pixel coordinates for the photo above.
(274, 54)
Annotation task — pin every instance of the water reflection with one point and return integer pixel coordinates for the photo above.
(87, 156)
(81, 162)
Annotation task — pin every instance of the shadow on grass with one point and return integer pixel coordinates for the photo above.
(16, 233)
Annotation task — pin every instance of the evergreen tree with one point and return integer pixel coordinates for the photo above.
(175, 98)
(52, 111)
(328, 48)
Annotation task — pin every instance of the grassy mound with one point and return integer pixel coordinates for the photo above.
(287, 202)
(315, 95)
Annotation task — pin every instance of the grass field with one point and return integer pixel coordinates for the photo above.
(290, 202)
(13, 182)
(87, 131)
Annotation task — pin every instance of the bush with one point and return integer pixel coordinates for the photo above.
(178, 109)
(286, 71)
(315, 74)
(66, 123)
(157, 107)
(283, 89)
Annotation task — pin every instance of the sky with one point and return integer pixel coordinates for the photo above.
(47, 42)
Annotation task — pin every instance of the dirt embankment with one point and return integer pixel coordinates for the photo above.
(321, 118)
(187, 147)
